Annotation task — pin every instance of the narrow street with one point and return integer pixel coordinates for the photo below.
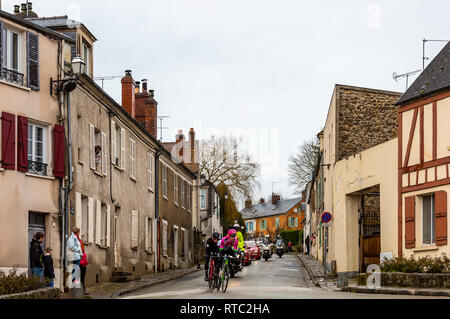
(275, 279)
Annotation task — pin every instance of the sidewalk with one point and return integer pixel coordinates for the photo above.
(110, 290)
(407, 291)
(316, 272)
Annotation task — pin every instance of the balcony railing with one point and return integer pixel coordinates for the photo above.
(37, 168)
(11, 76)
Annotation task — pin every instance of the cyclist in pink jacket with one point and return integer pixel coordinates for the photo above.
(229, 244)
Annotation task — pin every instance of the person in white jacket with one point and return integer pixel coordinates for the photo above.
(74, 252)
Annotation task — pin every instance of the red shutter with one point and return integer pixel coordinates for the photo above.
(22, 147)
(59, 167)
(8, 141)
(440, 199)
(410, 222)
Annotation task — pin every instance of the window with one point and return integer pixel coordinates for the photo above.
(183, 198)
(133, 159)
(293, 222)
(80, 138)
(175, 191)
(103, 224)
(277, 222)
(134, 229)
(263, 224)
(37, 143)
(12, 56)
(84, 218)
(164, 237)
(164, 180)
(250, 226)
(183, 243)
(186, 245)
(97, 146)
(203, 198)
(86, 55)
(151, 164)
(428, 224)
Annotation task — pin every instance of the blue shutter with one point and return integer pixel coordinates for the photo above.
(33, 60)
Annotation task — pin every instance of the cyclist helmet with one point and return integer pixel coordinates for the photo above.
(236, 226)
(216, 235)
(232, 233)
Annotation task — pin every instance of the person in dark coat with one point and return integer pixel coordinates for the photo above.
(36, 255)
(49, 271)
(211, 248)
(307, 244)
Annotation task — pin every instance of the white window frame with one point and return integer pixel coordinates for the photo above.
(188, 196)
(7, 33)
(132, 159)
(149, 235)
(45, 142)
(203, 198)
(151, 177)
(164, 238)
(87, 59)
(183, 197)
(175, 188)
(432, 229)
(164, 180)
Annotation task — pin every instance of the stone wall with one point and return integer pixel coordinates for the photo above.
(366, 118)
(417, 280)
(45, 293)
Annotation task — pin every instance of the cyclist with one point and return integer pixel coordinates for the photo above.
(240, 239)
(228, 246)
(211, 249)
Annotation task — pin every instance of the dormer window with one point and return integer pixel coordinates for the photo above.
(86, 56)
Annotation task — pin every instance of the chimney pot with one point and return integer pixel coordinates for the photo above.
(16, 9)
(127, 72)
(248, 203)
(30, 6)
(137, 89)
(152, 93)
(24, 7)
(262, 201)
(275, 198)
(144, 85)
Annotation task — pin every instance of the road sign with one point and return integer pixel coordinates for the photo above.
(326, 217)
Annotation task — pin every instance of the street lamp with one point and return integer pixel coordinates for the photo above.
(70, 83)
(78, 65)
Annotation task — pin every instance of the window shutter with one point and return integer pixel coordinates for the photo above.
(1, 46)
(22, 147)
(8, 141)
(33, 60)
(108, 226)
(440, 199)
(113, 142)
(134, 228)
(410, 222)
(78, 212)
(104, 155)
(59, 152)
(92, 146)
(98, 223)
(122, 149)
(91, 220)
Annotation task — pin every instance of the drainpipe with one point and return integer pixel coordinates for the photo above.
(158, 226)
(111, 114)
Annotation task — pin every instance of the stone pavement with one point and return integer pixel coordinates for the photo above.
(110, 290)
(315, 270)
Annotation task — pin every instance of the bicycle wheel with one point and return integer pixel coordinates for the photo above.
(225, 279)
(211, 275)
(220, 278)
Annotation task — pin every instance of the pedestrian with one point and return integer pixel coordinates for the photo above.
(290, 246)
(74, 252)
(83, 264)
(307, 244)
(49, 271)
(36, 255)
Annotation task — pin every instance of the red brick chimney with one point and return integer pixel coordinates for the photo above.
(128, 94)
(262, 201)
(147, 109)
(248, 203)
(275, 198)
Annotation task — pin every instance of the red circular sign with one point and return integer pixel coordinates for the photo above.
(326, 217)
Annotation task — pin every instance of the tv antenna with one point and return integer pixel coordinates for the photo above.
(404, 75)
(103, 78)
(423, 50)
(274, 183)
(161, 127)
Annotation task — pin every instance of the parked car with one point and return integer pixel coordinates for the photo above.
(255, 250)
(247, 256)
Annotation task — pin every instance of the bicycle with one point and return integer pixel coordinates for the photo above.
(212, 276)
(224, 275)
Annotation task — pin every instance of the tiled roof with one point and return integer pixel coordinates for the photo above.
(269, 209)
(435, 77)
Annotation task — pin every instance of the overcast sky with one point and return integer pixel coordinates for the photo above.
(262, 69)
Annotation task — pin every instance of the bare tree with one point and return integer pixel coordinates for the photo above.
(223, 161)
(302, 164)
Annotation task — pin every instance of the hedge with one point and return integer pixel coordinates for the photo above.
(14, 283)
(293, 236)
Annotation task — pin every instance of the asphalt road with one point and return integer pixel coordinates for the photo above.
(277, 278)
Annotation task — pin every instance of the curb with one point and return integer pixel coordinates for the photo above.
(310, 274)
(400, 291)
(150, 284)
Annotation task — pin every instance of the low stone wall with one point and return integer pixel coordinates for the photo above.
(45, 293)
(416, 280)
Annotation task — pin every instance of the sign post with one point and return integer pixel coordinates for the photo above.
(326, 222)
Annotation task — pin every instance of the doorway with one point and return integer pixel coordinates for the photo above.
(369, 228)
(36, 223)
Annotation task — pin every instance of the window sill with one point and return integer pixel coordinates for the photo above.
(133, 179)
(165, 197)
(151, 190)
(81, 162)
(425, 248)
(102, 247)
(15, 85)
(97, 173)
(118, 168)
(149, 252)
(51, 178)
